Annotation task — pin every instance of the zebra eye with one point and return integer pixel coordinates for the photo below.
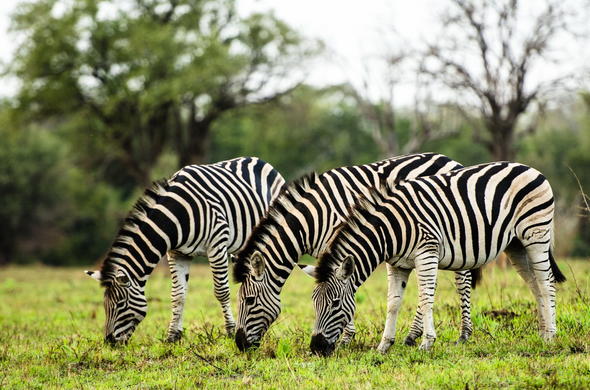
(249, 301)
(123, 280)
(335, 303)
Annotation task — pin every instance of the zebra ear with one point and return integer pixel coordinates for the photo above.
(257, 266)
(232, 258)
(308, 269)
(96, 275)
(346, 268)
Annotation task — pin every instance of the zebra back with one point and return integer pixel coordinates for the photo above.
(185, 212)
(259, 174)
(304, 216)
(473, 213)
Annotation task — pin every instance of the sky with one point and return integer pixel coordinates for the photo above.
(351, 30)
(354, 31)
(356, 34)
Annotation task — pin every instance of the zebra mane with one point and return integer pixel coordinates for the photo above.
(278, 211)
(364, 207)
(137, 213)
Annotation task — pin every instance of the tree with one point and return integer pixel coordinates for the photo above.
(128, 79)
(488, 54)
(310, 129)
(51, 210)
(396, 131)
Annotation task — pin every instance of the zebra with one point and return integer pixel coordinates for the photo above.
(456, 221)
(206, 210)
(302, 220)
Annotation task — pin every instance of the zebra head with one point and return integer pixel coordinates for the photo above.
(259, 305)
(125, 305)
(334, 305)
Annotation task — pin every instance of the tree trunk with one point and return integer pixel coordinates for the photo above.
(196, 148)
(502, 151)
(502, 146)
(388, 144)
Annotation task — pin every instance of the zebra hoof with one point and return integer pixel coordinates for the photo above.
(427, 343)
(384, 345)
(548, 336)
(410, 342)
(174, 336)
(462, 339)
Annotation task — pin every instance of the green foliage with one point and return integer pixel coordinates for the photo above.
(52, 210)
(51, 337)
(551, 152)
(113, 94)
(461, 147)
(560, 151)
(87, 224)
(132, 79)
(307, 130)
(27, 175)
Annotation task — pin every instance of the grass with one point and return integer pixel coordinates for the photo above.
(51, 323)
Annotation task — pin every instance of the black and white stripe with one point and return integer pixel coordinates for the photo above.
(302, 220)
(457, 221)
(206, 210)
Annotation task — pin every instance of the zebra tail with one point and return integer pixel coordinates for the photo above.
(475, 277)
(557, 274)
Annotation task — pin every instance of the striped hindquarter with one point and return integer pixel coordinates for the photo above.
(302, 220)
(205, 210)
(457, 221)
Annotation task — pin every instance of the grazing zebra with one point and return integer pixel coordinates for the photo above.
(302, 220)
(456, 221)
(206, 210)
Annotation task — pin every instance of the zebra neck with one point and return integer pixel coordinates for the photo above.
(364, 265)
(309, 217)
(315, 240)
(280, 265)
(139, 249)
(282, 245)
(361, 274)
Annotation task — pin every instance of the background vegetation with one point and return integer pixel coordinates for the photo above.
(113, 94)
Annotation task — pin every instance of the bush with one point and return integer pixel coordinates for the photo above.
(51, 211)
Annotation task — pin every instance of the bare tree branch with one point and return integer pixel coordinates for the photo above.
(501, 85)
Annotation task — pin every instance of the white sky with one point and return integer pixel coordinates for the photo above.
(355, 32)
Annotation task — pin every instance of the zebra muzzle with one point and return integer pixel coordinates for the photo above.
(320, 346)
(242, 341)
(111, 340)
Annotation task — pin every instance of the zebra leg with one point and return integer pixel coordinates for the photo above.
(397, 281)
(348, 334)
(538, 255)
(463, 283)
(426, 272)
(416, 329)
(218, 260)
(179, 270)
(518, 257)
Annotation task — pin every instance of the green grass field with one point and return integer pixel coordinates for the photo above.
(51, 324)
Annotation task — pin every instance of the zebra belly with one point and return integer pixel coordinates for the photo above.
(404, 263)
(456, 260)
